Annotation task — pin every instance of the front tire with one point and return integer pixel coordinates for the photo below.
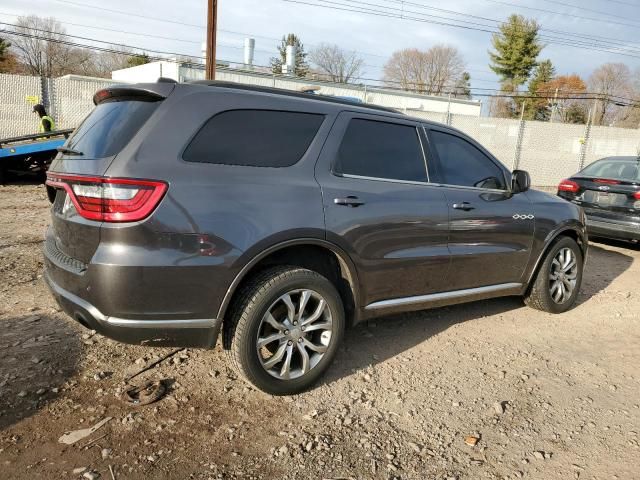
(557, 282)
(284, 329)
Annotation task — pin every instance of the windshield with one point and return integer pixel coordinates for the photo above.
(110, 127)
(627, 170)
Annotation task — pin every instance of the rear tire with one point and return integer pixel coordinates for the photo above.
(296, 347)
(557, 282)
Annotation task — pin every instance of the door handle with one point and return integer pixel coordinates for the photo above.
(350, 201)
(466, 206)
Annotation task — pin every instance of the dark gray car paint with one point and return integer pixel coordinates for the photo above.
(216, 221)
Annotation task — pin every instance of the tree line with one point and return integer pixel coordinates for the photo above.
(530, 87)
(533, 89)
(39, 51)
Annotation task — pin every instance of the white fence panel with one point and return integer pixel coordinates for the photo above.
(73, 98)
(17, 96)
(551, 151)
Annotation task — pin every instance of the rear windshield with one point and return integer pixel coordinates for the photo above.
(615, 169)
(110, 127)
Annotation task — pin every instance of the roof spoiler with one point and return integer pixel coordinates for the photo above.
(150, 92)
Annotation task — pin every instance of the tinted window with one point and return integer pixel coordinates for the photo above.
(614, 169)
(381, 150)
(257, 138)
(461, 163)
(110, 127)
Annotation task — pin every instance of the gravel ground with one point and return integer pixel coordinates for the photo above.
(485, 390)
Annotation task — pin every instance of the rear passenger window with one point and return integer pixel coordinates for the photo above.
(463, 164)
(256, 138)
(381, 150)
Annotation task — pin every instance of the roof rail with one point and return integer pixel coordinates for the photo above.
(291, 93)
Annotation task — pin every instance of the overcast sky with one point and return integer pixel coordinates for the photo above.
(374, 37)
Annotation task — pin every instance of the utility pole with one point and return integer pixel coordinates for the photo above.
(212, 21)
(553, 107)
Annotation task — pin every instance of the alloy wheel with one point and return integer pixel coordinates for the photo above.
(294, 334)
(563, 275)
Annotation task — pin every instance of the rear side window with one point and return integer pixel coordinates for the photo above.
(110, 127)
(461, 163)
(381, 150)
(256, 138)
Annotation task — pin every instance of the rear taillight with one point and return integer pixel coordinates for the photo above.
(636, 195)
(568, 186)
(110, 199)
(606, 181)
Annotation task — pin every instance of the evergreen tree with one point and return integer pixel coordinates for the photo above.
(537, 108)
(8, 60)
(4, 47)
(463, 86)
(301, 65)
(516, 50)
(135, 60)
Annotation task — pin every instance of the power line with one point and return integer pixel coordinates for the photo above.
(486, 29)
(164, 20)
(624, 3)
(454, 90)
(118, 31)
(599, 12)
(614, 42)
(593, 19)
(499, 22)
(237, 47)
(401, 13)
(58, 40)
(221, 30)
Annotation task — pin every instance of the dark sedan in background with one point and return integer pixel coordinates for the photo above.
(609, 192)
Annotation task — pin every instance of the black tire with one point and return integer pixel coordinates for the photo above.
(242, 326)
(539, 295)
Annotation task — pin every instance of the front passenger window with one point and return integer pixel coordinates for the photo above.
(461, 163)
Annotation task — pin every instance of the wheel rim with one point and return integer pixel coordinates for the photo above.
(563, 276)
(294, 334)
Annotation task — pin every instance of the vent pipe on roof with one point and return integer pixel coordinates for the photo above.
(249, 49)
(289, 67)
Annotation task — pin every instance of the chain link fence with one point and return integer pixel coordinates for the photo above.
(72, 99)
(549, 151)
(18, 94)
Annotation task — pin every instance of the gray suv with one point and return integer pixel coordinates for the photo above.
(277, 219)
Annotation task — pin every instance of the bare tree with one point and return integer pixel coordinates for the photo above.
(336, 64)
(106, 62)
(38, 46)
(612, 83)
(435, 71)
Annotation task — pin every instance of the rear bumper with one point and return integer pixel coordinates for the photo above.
(600, 227)
(165, 332)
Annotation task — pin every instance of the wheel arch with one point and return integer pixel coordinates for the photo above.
(574, 232)
(298, 252)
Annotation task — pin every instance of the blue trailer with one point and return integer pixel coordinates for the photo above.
(30, 154)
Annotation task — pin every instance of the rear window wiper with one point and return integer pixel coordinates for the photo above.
(69, 151)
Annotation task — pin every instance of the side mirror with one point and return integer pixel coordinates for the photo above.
(520, 181)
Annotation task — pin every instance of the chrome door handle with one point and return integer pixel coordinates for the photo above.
(466, 206)
(350, 201)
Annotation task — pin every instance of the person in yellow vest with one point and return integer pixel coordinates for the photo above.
(46, 122)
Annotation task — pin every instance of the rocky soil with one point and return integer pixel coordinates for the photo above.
(486, 390)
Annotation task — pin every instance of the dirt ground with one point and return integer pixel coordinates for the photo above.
(546, 396)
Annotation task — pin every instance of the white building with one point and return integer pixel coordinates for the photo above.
(408, 101)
